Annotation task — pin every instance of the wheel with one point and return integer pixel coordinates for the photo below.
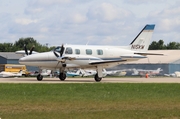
(97, 79)
(39, 77)
(62, 76)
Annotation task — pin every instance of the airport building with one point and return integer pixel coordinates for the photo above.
(169, 62)
(13, 58)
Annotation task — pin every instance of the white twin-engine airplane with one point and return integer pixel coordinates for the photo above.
(67, 57)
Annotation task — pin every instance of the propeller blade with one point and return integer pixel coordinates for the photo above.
(25, 48)
(62, 50)
(31, 50)
(55, 54)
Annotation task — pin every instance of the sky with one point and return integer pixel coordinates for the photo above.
(94, 22)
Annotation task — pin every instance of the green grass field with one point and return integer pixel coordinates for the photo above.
(90, 101)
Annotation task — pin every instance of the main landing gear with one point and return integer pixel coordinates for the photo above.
(39, 77)
(97, 78)
(62, 77)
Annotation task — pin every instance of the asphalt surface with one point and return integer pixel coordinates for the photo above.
(91, 80)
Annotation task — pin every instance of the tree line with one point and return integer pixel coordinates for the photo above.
(161, 46)
(19, 45)
(30, 42)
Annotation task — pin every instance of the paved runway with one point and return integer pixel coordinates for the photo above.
(91, 80)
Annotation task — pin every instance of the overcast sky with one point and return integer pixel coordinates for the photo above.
(102, 22)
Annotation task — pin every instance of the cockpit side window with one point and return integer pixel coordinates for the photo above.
(68, 50)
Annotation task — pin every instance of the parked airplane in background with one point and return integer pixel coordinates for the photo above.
(67, 57)
(10, 74)
(44, 72)
(88, 72)
(73, 73)
(116, 73)
(143, 72)
(26, 52)
(175, 74)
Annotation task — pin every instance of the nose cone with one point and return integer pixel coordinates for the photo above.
(34, 59)
(25, 60)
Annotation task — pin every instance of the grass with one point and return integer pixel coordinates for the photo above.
(87, 101)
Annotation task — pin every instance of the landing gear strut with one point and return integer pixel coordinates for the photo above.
(39, 77)
(99, 74)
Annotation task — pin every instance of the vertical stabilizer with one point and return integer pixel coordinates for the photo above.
(142, 40)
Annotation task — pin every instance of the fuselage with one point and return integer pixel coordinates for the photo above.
(83, 56)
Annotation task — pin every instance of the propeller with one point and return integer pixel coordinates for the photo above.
(31, 50)
(25, 48)
(62, 50)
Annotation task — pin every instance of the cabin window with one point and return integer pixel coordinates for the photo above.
(88, 51)
(100, 52)
(68, 50)
(77, 51)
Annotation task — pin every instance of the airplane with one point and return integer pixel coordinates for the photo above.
(26, 52)
(4, 74)
(44, 72)
(88, 72)
(73, 73)
(116, 73)
(82, 73)
(175, 74)
(96, 57)
(143, 72)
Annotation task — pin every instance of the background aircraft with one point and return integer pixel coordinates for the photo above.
(10, 74)
(44, 72)
(142, 72)
(116, 73)
(73, 73)
(90, 56)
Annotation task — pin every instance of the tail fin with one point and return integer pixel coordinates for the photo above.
(142, 40)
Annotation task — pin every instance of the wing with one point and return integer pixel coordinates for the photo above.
(123, 58)
(106, 62)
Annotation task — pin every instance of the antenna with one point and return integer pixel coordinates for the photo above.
(87, 42)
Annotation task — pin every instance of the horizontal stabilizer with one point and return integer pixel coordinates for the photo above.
(144, 54)
(131, 56)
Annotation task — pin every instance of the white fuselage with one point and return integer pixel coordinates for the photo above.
(9, 74)
(83, 55)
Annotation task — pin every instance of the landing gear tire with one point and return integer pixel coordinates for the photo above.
(62, 76)
(97, 79)
(39, 77)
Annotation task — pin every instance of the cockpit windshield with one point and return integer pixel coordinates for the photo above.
(57, 49)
